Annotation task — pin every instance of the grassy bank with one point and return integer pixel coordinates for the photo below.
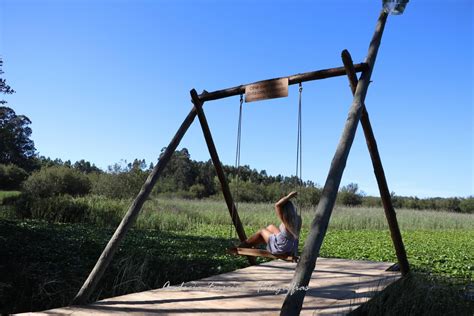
(42, 265)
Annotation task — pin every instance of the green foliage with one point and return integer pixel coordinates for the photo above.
(121, 182)
(349, 195)
(443, 252)
(86, 167)
(454, 204)
(4, 87)
(180, 173)
(467, 205)
(42, 265)
(67, 209)
(197, 191)
(419, 294)
(175, 214)
(11, 177)
(372, 201)
(54, 181)
(16, 147)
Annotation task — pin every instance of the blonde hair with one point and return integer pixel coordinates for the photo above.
(291, 219)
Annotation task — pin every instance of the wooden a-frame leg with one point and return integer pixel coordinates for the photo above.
(219, 170)
(379, 172)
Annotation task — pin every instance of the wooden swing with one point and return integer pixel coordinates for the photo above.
(256, 252)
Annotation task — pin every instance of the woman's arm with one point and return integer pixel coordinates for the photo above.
(285, 199)
(282, 201)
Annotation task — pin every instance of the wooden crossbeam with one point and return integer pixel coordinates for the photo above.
(262, 253)
(293, 79)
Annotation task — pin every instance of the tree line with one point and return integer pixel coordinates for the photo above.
(191, 179)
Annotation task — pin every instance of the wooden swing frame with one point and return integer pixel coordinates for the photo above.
(308, 259)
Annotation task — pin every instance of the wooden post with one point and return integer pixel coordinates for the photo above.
(295, 296)
(131, 215)
(219, 170)
(379, 172)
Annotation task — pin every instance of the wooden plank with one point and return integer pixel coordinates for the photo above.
(379, 172)
(107, 254)
(261, 253)
(294, 298)
(293, 79)
(219, 170)
(337, 287)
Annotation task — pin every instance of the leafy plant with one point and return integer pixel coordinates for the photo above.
(11, 177)
(56, 180)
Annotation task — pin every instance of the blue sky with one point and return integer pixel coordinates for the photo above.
(110, 80)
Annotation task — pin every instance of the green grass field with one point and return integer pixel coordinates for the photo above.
(42, 265)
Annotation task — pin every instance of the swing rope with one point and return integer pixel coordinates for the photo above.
(299, 147)
(299, 163)
(299, 141)
(237, 166)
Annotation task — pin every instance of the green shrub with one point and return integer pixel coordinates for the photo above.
(56, 180)
(197, 191)
(467, 205)
(372, 201)
(11, 177)
(349, 195)
(118, 185)
(309, 196)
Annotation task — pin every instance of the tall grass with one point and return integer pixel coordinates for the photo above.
(178, 214)
(175, 214)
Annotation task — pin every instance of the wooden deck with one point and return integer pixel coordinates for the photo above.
(337, 286)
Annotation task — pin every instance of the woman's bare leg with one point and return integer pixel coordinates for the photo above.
(273, 229)
(260, 237)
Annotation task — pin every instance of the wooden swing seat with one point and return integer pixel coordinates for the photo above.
(254, 252)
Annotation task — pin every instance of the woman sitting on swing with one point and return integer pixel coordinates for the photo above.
(280, 240)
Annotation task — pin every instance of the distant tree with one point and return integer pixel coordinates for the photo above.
(4, 87)
(467, 205)
(205, 177)
(86, 167)
(16, 147)
(349, 195)
(180, 170)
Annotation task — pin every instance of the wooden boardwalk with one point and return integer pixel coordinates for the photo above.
(337, 287)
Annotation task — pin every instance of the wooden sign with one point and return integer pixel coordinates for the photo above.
(269, 89)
